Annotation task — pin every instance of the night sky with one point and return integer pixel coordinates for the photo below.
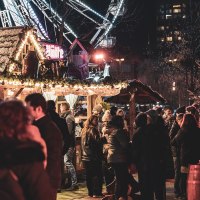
(137, 26)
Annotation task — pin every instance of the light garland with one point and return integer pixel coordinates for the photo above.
(22, 46)
(35, 43)
(62, 86)
(37, 46)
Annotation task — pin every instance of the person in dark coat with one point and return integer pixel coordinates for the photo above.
(92, 156)
(187, 139)
(52, 136)
(149, 153)
(175, 153)
(118, 155)
(62, 125)
(21, 156)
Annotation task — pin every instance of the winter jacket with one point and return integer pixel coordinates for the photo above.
(188, 141)
(173, 132)
(92, 145)
(71, 126)
(151, 149)
(53, 138)
(117, 147)
(62, 125)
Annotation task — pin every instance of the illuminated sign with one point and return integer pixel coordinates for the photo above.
(53, 51)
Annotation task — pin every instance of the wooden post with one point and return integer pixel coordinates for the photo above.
(1, 93)
(90, 104)
(132, 113)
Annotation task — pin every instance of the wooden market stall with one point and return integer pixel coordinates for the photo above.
(136, 92)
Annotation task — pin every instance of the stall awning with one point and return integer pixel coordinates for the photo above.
(143, 94)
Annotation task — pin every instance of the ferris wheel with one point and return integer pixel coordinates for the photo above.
(84, 19)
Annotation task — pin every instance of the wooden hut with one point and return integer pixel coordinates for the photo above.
(20, 51)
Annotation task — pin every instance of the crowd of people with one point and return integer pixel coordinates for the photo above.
(37, 146)
(162, 146)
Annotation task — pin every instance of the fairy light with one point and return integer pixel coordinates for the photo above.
(35, 43)
(63, 87)
(22, 46)
(113, 21)
(36, 20)
(38, 48)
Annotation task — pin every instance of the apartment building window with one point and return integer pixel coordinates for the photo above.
(169, 39)
(177, 10)
(176, 32)
(179, 38)
(177, 6)
(162, 39)
(168, 16)
(161, 28)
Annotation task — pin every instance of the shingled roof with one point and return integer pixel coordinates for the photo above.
(10, 40)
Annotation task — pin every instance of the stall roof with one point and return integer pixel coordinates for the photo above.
(143, 94)
(12, 41)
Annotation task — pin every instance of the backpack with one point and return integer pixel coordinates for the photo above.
(10, 189)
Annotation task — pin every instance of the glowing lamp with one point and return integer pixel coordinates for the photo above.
(99, 56)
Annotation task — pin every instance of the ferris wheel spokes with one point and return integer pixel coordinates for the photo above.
(5, 18)
(52, 15)
(22, 13)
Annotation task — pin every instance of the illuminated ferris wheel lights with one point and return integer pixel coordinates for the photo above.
(118, 10)
(92, 10)
(36, 20)
(111, 25)
(60, 19)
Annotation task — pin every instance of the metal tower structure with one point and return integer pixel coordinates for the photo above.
(30, 12)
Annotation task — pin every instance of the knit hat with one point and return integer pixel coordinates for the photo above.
(107, 116)
(98, 108)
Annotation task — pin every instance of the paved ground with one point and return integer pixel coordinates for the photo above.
(81, 193)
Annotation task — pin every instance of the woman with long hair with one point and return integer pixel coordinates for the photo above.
(92, 156)
(187, 139)
(22, 150)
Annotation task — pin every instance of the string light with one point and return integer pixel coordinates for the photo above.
(30, 35)
(63, 86)
(92, 10)
(36, 44)
(22, 46)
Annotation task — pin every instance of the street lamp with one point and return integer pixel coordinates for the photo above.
(173, 86)
(120, 60)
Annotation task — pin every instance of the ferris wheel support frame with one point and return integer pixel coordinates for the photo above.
(23, 14)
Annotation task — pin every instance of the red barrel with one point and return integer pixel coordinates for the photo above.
(193, 183)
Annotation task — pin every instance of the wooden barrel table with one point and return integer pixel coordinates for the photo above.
(193, 183)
